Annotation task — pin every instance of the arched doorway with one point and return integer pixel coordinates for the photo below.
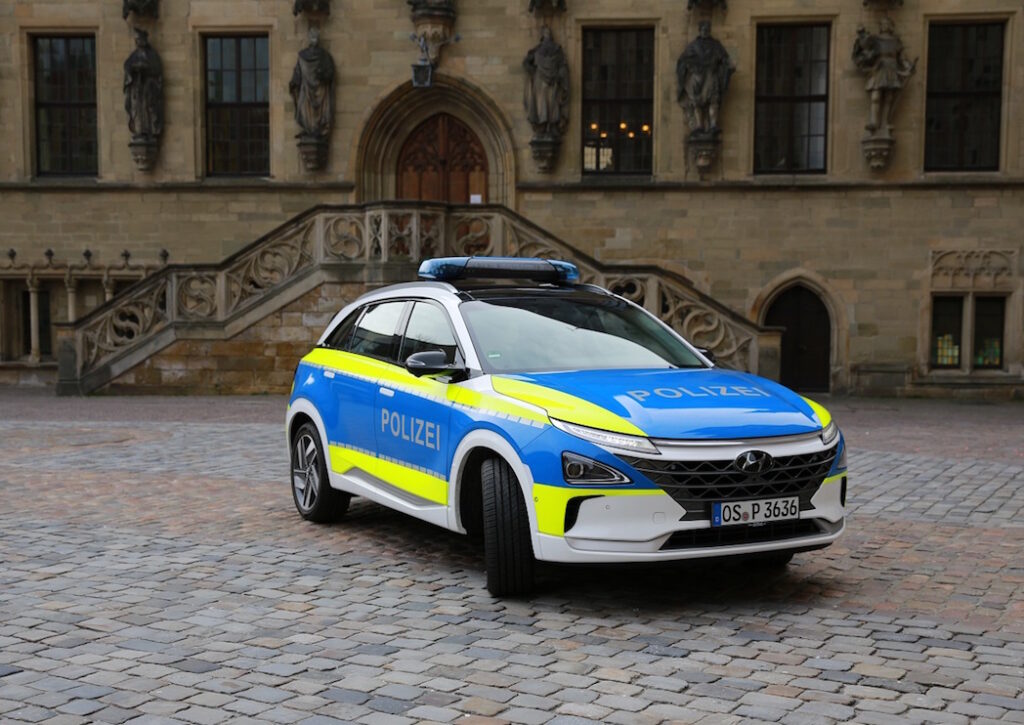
(443, 160)
(807, 341)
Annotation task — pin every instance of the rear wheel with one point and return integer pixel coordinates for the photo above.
(311, 488)
(508, 550)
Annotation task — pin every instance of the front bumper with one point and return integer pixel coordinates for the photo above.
(648, 528)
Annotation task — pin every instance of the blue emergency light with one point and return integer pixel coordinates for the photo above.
(449, 269)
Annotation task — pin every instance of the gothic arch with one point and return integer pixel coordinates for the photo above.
(404, 108)
(839, 344)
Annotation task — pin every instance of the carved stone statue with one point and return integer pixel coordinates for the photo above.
(880, 58)
(546, 97)
(704, 70)
(315, 7)
(556, 5)
(142, 8)
(144, 100)
(312, 90)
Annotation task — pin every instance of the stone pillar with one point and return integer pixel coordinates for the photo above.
(33, 319)
(72, 287)
(108, 289)
(3, 321)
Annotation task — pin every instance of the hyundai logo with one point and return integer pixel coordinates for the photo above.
(754, 462)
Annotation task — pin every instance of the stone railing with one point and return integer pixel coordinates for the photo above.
(359, 242)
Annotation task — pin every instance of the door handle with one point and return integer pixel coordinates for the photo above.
(387, 392)
(329, 374)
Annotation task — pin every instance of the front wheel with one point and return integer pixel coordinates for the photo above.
(311, 488)
(508, 551)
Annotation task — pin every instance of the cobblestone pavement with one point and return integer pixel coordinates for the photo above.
(152, 569)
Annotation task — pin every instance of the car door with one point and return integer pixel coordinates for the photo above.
(413, 413)
(364, 356)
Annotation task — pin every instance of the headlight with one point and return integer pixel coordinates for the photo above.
(579, 470)
(830, 432)
(606, 438)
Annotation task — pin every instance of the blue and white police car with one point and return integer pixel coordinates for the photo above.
(500, 397)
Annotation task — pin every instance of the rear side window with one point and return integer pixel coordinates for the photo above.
(428, 329)
(376, 334)
(339, 337)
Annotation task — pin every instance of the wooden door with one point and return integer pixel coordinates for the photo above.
(807, 341)
(442, 160)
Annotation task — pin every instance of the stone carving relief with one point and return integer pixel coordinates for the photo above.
(142, 8)
(312, 7)
(136, 317)
(703, 73)
(312, 90)
(879, 56)
(261, 269)
(434, 21)
(546, 99)
(144, 101)
(197, 296)
(974, 269)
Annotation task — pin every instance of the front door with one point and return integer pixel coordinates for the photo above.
(443, 160)
(807, 341)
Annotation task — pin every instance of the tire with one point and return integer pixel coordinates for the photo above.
(314, 498)
(508, 551)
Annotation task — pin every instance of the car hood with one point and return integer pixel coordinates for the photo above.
(696, 404)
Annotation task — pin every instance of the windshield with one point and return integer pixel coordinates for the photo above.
(544, 334)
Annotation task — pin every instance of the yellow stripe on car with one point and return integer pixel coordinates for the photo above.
(824, 417)
(564, 406)
(412, 480)
(550, 502)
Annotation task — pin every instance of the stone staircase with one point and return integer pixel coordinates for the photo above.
(372, 245)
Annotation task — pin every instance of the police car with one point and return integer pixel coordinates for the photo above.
(499, 397)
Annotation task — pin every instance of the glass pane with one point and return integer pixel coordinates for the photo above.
(213, 53)
(65, 112)
(428, 330)
(375, 334)
(989, 323)
(947, 326)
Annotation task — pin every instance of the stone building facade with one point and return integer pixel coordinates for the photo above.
(892, 255)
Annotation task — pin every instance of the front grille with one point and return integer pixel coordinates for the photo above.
(694, 485)
(731, 535)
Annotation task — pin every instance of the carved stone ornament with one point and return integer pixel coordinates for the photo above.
(434, 21)
(880, 58)
(554, 6)
(141, 8)
(144, 101)
(974, 269)
(312, 7)
(691, 4)
(546, 98)
(703, 73)
(312, 90)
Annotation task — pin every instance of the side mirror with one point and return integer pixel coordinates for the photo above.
(430, 362)
(708, 354)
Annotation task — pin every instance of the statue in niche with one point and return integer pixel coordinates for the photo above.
(144, 100)
(880, 57)
(703, 71)
(142, 8)
(312, 90)
(556, 5)
(315, 7)
(546, 96)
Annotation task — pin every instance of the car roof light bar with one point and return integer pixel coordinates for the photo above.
(449, 269)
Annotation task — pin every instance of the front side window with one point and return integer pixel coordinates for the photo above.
(543, 334)
(965, 96)
(618, 101)
(376, 335)
(65, 105)
(237, 106)
(428, 329)
(791, 111)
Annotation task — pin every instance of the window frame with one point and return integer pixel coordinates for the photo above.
(586, 28)
(968, 332)
(208, 106)
(828, 24)
(38, 104)
(932, 21)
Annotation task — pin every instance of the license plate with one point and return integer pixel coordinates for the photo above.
(755, 512)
